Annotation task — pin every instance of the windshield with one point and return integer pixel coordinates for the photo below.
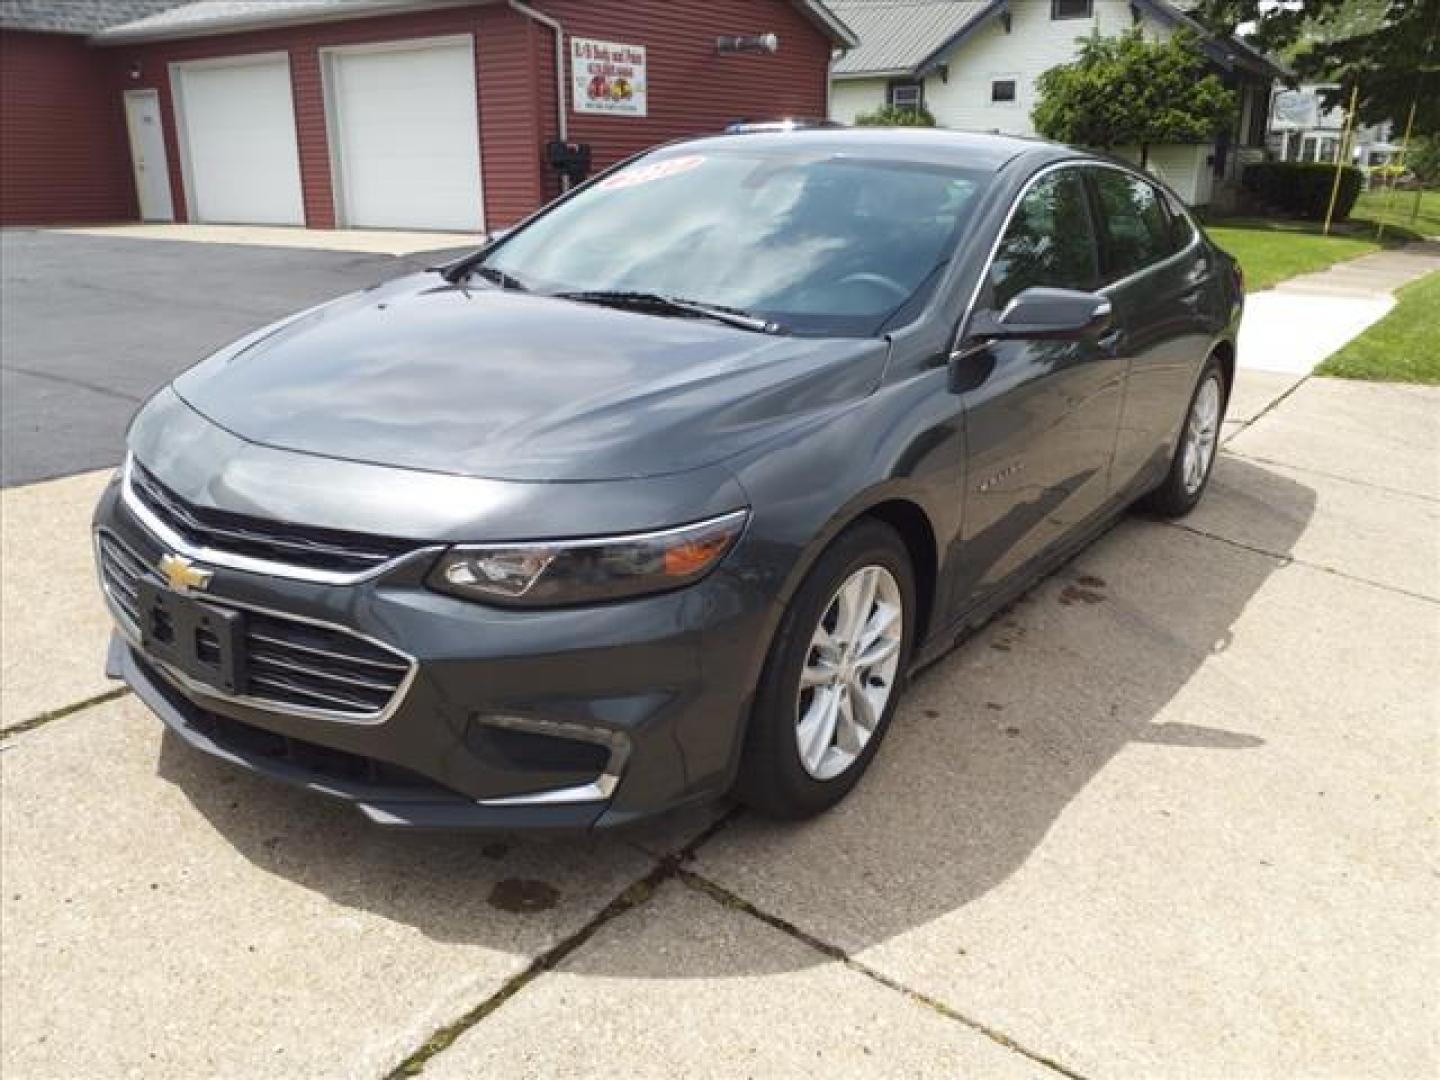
(820, 244)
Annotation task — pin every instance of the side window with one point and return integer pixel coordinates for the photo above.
(1137, 232)
(1050, 240)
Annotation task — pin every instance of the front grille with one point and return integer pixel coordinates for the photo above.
(260, 538)
(288, 663)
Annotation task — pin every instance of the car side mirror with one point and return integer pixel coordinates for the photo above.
(1046, 313)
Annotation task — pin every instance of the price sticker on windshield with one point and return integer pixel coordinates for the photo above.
(660, 170)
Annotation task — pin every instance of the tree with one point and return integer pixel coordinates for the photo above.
(1390, 49)
(1423, 159)
(1132, 91)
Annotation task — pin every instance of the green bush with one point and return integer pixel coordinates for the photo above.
(895, 116)
(1302, 188)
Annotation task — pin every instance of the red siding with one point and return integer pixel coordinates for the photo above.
(64, 153)
(691, 89)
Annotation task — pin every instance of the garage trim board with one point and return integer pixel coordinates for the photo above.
(442, 187)
(268, 191)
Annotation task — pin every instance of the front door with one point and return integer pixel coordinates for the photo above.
(147, 153)
(1040, 421)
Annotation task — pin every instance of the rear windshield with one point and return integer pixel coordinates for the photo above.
(822, 244)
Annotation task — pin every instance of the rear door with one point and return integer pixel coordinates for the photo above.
(1041, 416)
(1157, 274)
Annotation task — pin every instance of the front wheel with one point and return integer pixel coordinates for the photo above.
(1195, 455)
(833, 676)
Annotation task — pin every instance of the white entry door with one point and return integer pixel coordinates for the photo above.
(147, 155)
(237, 122)
(406, 135)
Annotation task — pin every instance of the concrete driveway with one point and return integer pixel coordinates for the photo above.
(1174, 815)
(94, 324)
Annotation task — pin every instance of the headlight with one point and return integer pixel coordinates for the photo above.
(556, 573)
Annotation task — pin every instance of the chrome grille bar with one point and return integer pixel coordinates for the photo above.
(297, 666)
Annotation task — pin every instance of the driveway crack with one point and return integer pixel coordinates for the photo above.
(63, 380)
(56, 714)
(726, 898)
(634, 895)
(1291, 560)
(1329, 475)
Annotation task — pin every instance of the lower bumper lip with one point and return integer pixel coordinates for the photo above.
(388, 808)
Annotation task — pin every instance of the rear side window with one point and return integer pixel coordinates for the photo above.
(1137, 230)
(1050, 240)
(1182, 229)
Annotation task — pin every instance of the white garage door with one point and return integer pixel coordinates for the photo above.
(238, 124)
(406, 134)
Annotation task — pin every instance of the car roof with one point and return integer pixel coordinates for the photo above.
(929, 145)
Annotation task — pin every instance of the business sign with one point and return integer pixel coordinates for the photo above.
(607, 77)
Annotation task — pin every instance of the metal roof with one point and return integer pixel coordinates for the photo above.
(910, 37)
(75, 16)
(897, 37)
(204, 17)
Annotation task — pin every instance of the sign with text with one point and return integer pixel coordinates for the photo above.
(607, 77)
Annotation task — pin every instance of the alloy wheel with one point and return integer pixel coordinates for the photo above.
(850, 671)
(1201, 431)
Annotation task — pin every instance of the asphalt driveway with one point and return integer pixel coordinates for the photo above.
(90, 326)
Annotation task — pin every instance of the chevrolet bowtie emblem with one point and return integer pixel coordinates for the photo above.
(183, 575)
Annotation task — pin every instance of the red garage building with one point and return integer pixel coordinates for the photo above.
(426, 114)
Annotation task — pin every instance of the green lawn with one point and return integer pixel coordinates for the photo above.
(1273, 249)
(1402, 347)
(1372, 207)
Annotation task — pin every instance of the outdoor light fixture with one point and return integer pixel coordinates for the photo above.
(755, 43)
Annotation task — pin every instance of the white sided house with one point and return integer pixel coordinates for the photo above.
(974, 64)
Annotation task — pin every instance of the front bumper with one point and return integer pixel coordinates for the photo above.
(565, 719)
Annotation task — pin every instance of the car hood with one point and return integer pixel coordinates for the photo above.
(422, 374)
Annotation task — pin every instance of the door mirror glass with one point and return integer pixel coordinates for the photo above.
(1043, 312)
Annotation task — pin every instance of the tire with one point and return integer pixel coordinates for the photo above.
(1185, 483)
(779, 776)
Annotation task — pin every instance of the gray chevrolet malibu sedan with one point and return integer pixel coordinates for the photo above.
(665, 493)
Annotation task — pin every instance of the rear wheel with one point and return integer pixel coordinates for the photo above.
(833, 676)
(1194, 456)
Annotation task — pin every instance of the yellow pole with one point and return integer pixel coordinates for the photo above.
(1340, 157)
(1404, 149)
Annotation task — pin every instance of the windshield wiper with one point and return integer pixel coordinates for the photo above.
(500, 277)
(675, 305)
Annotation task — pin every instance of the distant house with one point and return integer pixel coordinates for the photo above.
(1303, 129)
(974, 64)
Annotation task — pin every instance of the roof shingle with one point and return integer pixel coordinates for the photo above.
(76, 16)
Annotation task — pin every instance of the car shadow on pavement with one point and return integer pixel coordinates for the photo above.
(992, 744)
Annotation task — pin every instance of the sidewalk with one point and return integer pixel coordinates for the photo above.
(1290, 329)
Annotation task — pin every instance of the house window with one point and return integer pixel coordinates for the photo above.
(1071, 9)
(907, 95)
(1002, 91)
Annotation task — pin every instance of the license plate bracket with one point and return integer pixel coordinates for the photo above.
(203, 641)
